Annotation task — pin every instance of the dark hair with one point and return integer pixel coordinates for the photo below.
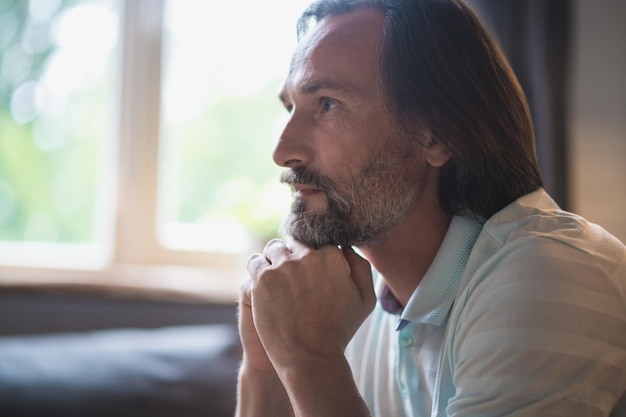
(441, 71)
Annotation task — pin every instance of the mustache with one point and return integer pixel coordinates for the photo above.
(301, 175)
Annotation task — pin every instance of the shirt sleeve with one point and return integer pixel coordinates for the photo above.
(542, 333)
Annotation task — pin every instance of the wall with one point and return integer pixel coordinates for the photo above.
(598, 114)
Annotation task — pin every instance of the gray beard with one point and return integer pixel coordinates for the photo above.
(363, 209)
(375, 202)
(331, 227)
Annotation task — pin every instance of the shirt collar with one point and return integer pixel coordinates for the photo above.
(432, 300)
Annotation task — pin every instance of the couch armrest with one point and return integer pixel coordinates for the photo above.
(173, 371)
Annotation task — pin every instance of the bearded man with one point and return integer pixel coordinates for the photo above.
(473, 293)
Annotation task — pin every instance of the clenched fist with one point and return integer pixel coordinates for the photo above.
(302, 302)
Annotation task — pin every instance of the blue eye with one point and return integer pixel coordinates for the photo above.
(327, 104)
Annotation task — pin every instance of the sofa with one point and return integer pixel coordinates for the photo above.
(87, 355)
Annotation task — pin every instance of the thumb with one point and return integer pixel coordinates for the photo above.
(361, 274)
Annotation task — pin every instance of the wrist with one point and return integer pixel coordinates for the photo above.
(261, 393)
(322, 385)
(256, 359)
(256, 370)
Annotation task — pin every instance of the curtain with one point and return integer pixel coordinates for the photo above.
(535, 37)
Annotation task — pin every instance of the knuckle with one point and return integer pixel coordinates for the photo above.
(274, 245)
(253, 258)
(275, 241)
(255, 262)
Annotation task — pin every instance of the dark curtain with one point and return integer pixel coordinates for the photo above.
(535, 37)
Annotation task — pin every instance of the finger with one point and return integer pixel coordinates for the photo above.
(256, 264)
(276, 249)
(245, 293)
(361, 273)
(295, 246)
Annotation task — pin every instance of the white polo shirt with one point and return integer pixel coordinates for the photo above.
(524, 316)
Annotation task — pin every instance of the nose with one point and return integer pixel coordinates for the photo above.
(294, 146)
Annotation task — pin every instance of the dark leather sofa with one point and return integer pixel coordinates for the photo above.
(87, 355)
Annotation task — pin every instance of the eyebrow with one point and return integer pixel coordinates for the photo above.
(312, 86)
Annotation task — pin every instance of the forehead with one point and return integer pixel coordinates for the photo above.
(340, 50)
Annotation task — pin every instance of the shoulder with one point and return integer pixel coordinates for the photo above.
(537, 243)
(541, 269)
(542, 315)
(542, 292)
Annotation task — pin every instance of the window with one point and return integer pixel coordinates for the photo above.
(220, 80)
(56, 119)
(138, 133)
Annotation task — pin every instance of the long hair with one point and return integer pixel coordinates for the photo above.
(442, 72)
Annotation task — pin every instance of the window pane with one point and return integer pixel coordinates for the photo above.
(224, 63)
(56, 75)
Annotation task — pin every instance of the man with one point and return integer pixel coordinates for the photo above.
(410, 138)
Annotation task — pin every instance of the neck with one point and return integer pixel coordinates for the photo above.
(405, 255)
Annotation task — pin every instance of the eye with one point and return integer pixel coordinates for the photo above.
(327, 104)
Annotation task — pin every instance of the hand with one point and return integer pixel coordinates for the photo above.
(305, 301)
(255, 357)
(259, 390)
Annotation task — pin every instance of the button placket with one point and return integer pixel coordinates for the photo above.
(406, 339)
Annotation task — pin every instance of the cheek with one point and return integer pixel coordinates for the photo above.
(349, 149)
(341, 163)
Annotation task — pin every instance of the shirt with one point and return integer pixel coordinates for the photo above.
(522, 316)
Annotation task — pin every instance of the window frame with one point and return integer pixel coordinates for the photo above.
(128, 253)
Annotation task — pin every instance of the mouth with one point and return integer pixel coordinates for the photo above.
(303, 190)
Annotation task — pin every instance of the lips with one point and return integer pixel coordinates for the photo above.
(303, 190)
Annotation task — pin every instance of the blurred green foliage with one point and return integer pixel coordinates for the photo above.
(38, 186)
(49, 192)
(227, 168)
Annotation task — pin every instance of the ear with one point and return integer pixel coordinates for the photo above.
(436, 153)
